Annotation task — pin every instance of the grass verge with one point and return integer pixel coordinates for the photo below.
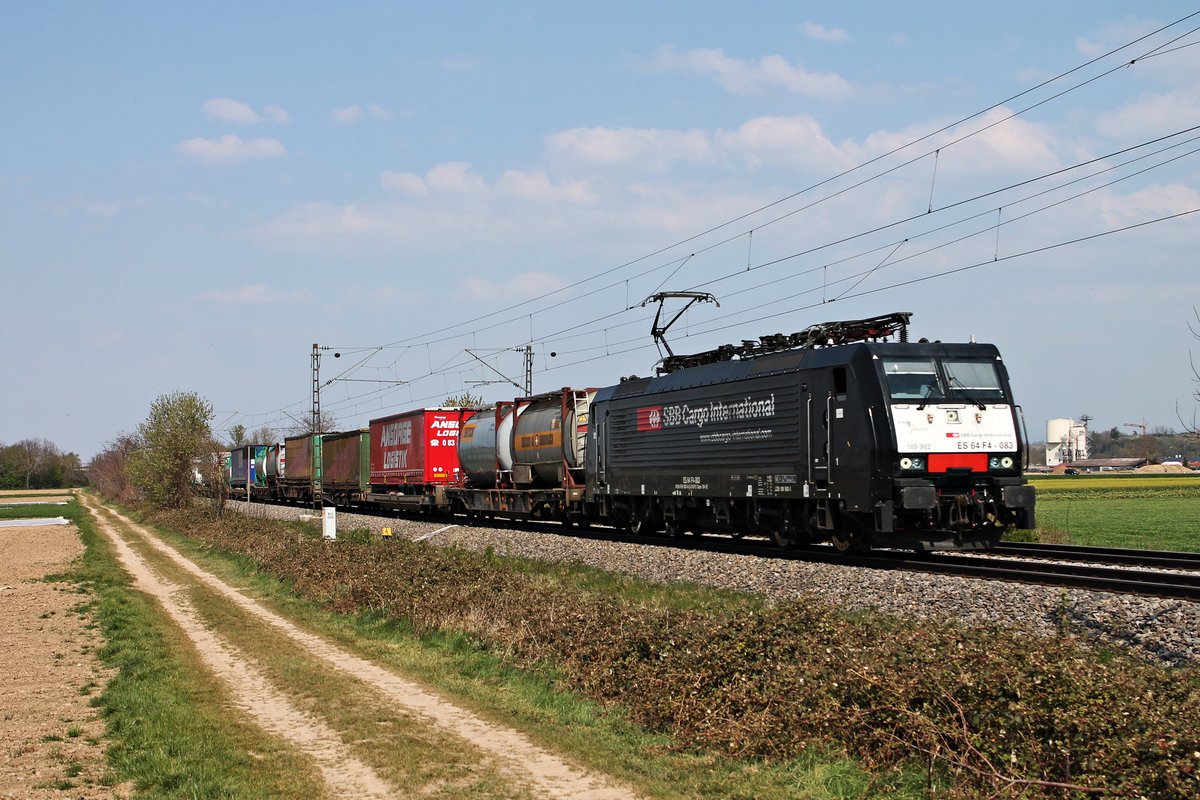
(975, 710)
(171, 728)
(534, 699)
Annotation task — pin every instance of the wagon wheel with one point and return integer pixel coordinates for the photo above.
(641, 523)
(784, 536)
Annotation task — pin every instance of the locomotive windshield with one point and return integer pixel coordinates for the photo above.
(973, 380)
(912, 378)
(927, 378)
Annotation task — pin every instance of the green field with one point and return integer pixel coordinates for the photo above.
(1158, 512)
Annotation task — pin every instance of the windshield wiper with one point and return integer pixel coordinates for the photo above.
(931, 387)
(975, 401)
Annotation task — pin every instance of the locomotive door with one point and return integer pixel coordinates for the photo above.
(817, 399)
(600, 421)
(825, 403)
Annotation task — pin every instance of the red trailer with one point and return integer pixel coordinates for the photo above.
(415, 452)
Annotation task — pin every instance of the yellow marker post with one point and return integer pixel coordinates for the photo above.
(387, 533)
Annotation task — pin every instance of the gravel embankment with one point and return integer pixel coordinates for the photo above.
(1159, 629)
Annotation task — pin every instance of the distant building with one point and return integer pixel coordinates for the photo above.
(1066, 441)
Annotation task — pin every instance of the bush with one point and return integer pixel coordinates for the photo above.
(987, 710)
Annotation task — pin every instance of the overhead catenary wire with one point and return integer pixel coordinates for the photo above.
(848, 171)
(608, 345)
(450, 364)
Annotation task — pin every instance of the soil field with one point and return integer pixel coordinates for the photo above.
(49, 734)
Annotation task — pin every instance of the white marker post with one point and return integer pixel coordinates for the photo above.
(329, 522)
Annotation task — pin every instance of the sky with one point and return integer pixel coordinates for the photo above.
(193, 195)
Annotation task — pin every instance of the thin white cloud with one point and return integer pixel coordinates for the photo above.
(518, 287)
(1149, 203)
(749, 76)
(797, 141)
(538, 187)
(1152, 115)
(354, 113)
(256, 295)
(347, 114)
(648, 148)
(459, 63)
(229, 110)
(408, 183)
(820, 33)
(456, 178)
(1104, 39)
(230, 148)
(1000, 144)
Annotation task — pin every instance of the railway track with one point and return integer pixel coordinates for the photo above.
(1047, 565)
(1040, 570)
(1021, 564)
(1162, 559)
(1155, 583)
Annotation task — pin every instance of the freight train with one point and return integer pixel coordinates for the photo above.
(836, 434)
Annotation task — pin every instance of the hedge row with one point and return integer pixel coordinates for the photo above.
(988, 711)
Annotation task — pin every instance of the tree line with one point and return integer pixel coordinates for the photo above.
(1160, 444)
(39, 464)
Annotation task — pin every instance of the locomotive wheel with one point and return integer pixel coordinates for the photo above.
(639, 524)
(672, 530)
(851, 534)
(843, 541)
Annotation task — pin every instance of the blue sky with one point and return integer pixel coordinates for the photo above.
(191, 195)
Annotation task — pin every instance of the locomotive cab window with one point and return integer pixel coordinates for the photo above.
(973, 380)
(912, 378)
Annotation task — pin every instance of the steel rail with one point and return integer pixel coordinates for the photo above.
(1166, 559)
(1176, 585)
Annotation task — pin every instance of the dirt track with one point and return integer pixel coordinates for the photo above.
(509, 752)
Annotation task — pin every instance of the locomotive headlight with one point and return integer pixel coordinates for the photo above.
(1006, 462)
(918, 463)
(906, 463)
(994, 462)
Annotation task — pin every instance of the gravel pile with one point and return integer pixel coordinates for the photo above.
(1158, 629)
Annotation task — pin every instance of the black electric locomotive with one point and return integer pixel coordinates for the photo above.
(831, 434)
